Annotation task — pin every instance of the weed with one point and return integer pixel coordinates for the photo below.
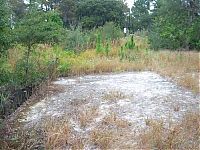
(184, 135)
(57, 134)
(102, 138)
(113, 120)
(87, 115)
(114, 95)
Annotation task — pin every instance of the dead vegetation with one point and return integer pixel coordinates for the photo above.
(102, 138)
(114, 121)
(86, 115)
(57, 134)
(184, 135)
(114, 95)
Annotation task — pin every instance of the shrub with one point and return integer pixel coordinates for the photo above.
(111, 31)
(76, 39)
(99, 46)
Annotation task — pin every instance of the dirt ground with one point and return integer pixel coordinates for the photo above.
(126, 101)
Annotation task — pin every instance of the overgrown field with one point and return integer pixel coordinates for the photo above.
(51, 62)
(131, 54)
(44, 40)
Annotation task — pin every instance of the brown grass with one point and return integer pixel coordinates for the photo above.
(57, 135)
(184, 135)
(113, 120)
(114, 95)
(86, 115)
(181, 66)
(102, 138)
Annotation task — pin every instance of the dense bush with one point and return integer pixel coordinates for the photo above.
(177, 28)
(77, 39)
(4, 27)
(110, 31)
(128, 50)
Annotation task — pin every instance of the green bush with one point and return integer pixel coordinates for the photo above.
(76, 39)
(130, 44)
(110, 31)
(99, 45)
(5, 71)
(128, 51)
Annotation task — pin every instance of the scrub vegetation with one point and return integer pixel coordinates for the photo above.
(43, 40)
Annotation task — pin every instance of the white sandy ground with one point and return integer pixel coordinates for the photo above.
(147, 95)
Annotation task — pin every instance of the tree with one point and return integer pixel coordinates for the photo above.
(94, 13)
(176, 25)
(4, 27)
(68, 9)
(35, 28)
(18, 8)
(141, 17)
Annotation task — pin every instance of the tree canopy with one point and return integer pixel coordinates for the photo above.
(176, 24)
(4, 26)
(94, 13)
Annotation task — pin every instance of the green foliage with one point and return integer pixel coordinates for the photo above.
(107, 47)
(130, 44)
(39, 27)
(121, 53)
(18, 9)
(95, 13)
(128, 51)
(176, 25)
(102, 48)
(5, 71)
(141, 18)
(68, 9)
(76, 39)
(99, 47)
(4, 27)
(105, 35)
(110, 31)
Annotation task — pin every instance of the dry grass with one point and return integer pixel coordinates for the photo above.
(102, 138)
(113, 133)
(87, 115)
(114, 95)
(184, 135)
(113, 120)
(180, 66)
(57, 134)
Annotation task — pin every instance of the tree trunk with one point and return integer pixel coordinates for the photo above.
(27, 63)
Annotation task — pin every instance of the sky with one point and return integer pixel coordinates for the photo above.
(130, 3)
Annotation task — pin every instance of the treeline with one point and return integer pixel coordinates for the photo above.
(87, 13)
(21, 22)
(172, 24)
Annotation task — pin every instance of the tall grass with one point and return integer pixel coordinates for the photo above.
(184, 135)
(180, 66)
